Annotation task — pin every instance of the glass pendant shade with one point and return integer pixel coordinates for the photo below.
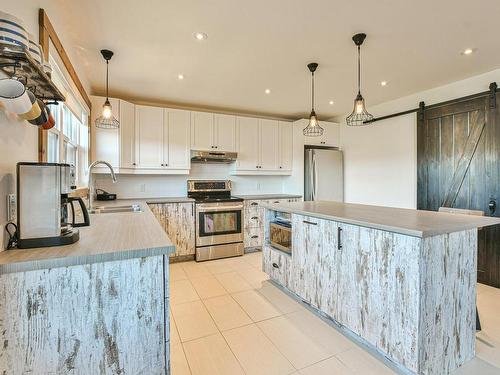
(106, 120)
(313, 128)
(359, 115)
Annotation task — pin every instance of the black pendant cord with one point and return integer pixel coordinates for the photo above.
(107, 83)
(359, 70)
(312, 94)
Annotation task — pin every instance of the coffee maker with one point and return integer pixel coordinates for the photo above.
(44, 204)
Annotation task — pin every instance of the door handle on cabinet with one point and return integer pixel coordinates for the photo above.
(254, 217)
(309, 222)
(339, 238)
(254, 204)
(255, 236)
(275, 265)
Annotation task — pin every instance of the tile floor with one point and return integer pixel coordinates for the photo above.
(227, 319)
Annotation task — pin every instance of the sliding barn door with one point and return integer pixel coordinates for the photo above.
(459, 166)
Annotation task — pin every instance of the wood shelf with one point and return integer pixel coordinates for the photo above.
(16, 61)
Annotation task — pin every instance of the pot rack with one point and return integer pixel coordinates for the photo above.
(16, 62)
(491, 93)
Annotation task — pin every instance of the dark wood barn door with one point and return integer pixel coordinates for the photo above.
(459, 166)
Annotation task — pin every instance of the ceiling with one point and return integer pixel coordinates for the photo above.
(257, 44)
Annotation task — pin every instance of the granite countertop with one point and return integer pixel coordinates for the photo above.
(416, 223)
(110, 236)
(267, 196)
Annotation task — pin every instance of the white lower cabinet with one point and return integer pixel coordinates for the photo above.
(277, 265)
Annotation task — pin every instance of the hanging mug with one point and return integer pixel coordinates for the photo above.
(50, 122)
(35, 110)
(44, 116)
(14, 96)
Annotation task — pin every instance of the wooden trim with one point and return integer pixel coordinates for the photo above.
(46, 34)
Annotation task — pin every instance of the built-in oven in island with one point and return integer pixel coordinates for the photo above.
(280, 235)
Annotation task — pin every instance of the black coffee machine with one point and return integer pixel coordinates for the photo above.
(45, 211)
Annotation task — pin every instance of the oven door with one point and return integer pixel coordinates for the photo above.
(219, 223)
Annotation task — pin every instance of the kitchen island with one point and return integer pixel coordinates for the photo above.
(401, 281)
(99, 306)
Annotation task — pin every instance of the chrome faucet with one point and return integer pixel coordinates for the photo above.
(91, 179)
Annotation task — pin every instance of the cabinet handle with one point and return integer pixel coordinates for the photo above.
(339, 238)
(276, 201)
(162, 165)
(253, 204)
(275, 265)
(309, 222)
(134, 164)
(254, 217)
(281, 167)
(255, 236)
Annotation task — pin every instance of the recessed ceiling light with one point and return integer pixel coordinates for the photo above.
(330, 102)
(468, 51)
(180, 76)
(267, 91)
(383, 83)
(200, 36)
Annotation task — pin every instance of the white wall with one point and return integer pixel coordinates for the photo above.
(19, 139)
(381, 159)
(158, 186)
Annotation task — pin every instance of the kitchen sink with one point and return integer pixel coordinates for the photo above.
(116, 209)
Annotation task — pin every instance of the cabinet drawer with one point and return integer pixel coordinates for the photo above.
(276, 264)
(253, 237)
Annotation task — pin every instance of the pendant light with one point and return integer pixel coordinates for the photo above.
(359, 115)
(313, 129)
(106, 120)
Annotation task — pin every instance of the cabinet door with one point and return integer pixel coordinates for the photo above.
(106, 141)
(269, 145)
(248, 143)
(225, 133)
(176, 149)
(202, 131)
(127, 135)
(149, 137)
(314, 262)
(286, 145)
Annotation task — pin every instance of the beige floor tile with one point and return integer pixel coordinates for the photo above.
(182, 291)
(218, 266)
(280, 299)
(488, 348)
(255, 305)
(233, 282)
(195, 269)
(254, 276)
(178, 362)
(211, 355)
(256, 353)
(177, 272)
(360, 362)
(477, 367)
(330, 366)
(239, 265)
(254, 259)
(293, 342)
(193, 321)
(208, 286)
(320, 332)
(174, 333)
(226, 312)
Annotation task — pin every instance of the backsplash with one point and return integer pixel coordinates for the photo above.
(156, 186)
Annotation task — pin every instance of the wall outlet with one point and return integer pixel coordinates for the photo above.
(11, 207)
(143, 188)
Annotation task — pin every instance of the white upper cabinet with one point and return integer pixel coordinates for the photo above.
(286, 145)
(127, 135)
(202, 131)
(330, 137)
(248, 144)
(149, 136)
(269, 145)
(106, 141)
(176, 140)
(225, 133)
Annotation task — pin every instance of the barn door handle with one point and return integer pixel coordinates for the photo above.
(492, 206)
(339, 238)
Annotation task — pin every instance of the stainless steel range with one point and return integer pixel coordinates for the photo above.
(219, 219)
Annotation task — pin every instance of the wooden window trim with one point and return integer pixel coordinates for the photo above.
(47, 33)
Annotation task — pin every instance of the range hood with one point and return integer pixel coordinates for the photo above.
(219, 157)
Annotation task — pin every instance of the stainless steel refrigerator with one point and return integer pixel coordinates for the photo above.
(323, 174)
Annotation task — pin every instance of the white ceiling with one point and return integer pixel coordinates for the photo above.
(257, 44)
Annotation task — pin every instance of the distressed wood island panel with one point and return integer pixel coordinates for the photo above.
(178, 221)
(411, 299)
(101, 318)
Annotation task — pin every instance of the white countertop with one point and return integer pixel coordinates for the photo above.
(416, 223)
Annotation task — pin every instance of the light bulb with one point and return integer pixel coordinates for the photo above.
(313, 121)
(359, 107)
(106, 110)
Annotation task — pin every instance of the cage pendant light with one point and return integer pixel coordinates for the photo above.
(359, 115)
(313, 129)
(106, 120)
